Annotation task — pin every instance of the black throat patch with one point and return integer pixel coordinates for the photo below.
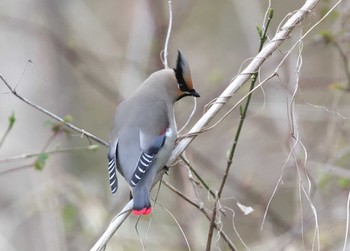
(180, 80)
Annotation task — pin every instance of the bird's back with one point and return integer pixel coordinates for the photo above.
(138, 121)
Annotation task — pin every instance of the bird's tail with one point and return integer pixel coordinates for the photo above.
(142, 204)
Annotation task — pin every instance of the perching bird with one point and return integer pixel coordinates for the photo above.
(144, 131)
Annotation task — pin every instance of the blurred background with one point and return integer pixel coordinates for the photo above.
(79, 59)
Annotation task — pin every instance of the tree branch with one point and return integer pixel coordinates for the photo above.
(204, 211)
(52, 115)
(113, 227)
(243, 113)
(166, 44)
(59, 150)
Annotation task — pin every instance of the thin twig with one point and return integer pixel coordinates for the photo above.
(178, 225)
(61, 150)
(4, 136)
(345, 62)
(12, 120)
(51, 139)
(203, 210)
(54, 116)
(43, 152)
(198, 177)
(184, 197)
(347, 222)
(29, 61)
(166, 45)
(243, 114)
(16, 169)
(113, 227)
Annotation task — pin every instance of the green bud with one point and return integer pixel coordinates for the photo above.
(68, 119)
(40, 162)
(260, 31)
(12, 120)
(270, 13)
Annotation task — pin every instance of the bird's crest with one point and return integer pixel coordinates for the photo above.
(183, 77)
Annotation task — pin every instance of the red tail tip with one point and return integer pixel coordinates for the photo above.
(143, 211)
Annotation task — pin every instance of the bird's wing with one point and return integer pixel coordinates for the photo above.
(112, 166)
(147, 158)
(140, 133)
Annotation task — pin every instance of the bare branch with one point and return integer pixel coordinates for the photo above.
(59, 150)
(54, 116)
(166, 44)
(113, 227)
(12, 120)
(347, 222)
(204, 211)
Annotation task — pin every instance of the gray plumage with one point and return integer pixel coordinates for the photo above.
(144, 131)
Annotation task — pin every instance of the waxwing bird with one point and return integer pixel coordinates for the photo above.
(144, 131)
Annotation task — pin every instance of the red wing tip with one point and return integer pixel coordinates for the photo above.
(143, 211)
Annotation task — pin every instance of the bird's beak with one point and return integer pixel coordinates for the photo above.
(194, 93)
